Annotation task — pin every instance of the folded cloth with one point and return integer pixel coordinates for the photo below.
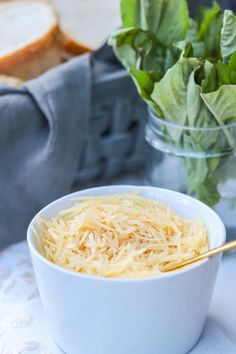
(43, 126)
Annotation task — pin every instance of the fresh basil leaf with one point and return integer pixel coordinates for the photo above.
(232, 62)
(202, 73)
(210, 83)
(208, 192)
(199, 169)
(220, 74)
(139, 49)
(168, 20)
(227, 169)
(228, 35)
(174, 22)
(130, 13)
(208, 17)
(145, 14)
(122, 42)
(192, 37)
(144, 81)
(198, 114)
(212, 40)
(210, 24)
(192, 32)
(226, 76)
(171, 57)
(170, 93)
(222, 104)
(186, 49)
(197, 172)
(203, 180)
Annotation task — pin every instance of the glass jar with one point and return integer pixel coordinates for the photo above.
(197, 161)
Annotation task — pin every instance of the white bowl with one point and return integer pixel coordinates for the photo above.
(162, 315)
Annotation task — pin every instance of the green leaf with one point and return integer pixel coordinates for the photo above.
(210, 83)
(200, 169)
(174, 22)
(145, 14)
(209, 16)
(144, 81)
(170, 93)
(197, 172)
(168, 20)
(228, 35)
(208, 192)
(186, 49)
(226, 76)
(227, 169)
(222, 104)
(203, 180)
(130, 13)
(232, 62)
(123, 46)
(220, 74)
(191, 38)
(199, 115)
(171, 56)
(139, 49)
(192, 32)
(197, 112)
(210, 24)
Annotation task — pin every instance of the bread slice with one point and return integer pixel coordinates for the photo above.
(87, 23)
(30, 38)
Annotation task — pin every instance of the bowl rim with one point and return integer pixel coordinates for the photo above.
(173, 274)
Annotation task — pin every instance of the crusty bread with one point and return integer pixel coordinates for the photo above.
(87, 23)
(73, 47)
(30, 38)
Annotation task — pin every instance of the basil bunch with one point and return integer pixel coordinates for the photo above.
(185, 69)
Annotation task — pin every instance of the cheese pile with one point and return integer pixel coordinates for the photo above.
(120, 236)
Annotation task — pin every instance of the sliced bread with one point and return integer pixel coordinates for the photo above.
(30, 38)
(87, 23)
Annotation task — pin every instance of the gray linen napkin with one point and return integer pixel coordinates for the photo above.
(43, 126)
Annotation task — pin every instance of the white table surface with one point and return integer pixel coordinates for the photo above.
(23, 326)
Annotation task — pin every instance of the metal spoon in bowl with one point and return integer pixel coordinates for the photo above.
(226, 247)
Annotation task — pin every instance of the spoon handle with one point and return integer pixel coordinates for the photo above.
(226, 247)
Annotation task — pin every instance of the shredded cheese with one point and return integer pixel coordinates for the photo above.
(120, 236)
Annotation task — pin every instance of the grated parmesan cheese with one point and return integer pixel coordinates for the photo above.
(120, 236)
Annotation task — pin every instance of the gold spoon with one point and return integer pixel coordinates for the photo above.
(226, 247)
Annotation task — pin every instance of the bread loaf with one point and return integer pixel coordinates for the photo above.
(86, 24)
(30, 38)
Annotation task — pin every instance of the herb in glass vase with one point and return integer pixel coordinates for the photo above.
(185, 69)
